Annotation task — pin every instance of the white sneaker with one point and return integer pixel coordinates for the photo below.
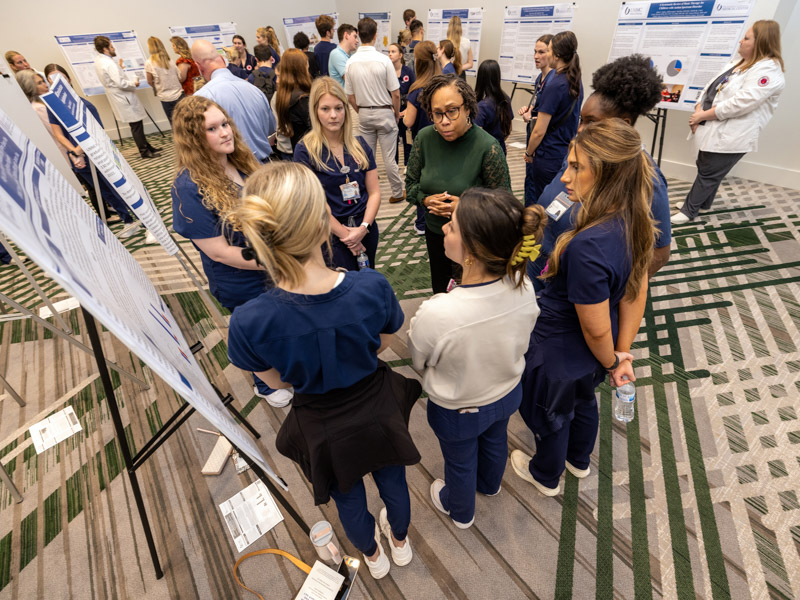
(149, 238)
(401, 556)
(379, 568)
(520, 461)
(679, 205)
(278, 398)
(419, 231)
(579, 473)
(130, 231)
(437, 487)
(679, 219)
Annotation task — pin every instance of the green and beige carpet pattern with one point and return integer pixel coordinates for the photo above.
(696, 498)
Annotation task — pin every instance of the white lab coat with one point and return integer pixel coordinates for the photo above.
(120, 90)
(743, 107)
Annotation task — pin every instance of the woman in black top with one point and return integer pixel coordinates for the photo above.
(291, 101)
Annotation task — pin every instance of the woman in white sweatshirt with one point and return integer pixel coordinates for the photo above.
(470, 344)
(733, 109)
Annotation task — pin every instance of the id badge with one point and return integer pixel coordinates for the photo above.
(409, 137)
(350, 192)
(560, 205)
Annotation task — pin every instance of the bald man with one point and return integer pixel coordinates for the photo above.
(244, 102)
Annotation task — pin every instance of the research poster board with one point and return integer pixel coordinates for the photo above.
(79, 52)
(688, 42)
(56, 228)
(82, 126)
(293, 25)
(384, 21)
(471, 21)
(219, 34)
(522, 26)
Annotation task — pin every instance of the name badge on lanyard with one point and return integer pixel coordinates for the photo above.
(350, 192)
(559, 206)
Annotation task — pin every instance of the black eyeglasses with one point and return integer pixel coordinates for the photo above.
(450, 113)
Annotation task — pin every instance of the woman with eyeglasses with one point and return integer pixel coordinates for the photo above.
(448, 158)
(347, 171)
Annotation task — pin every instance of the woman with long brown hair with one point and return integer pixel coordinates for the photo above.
(212, 162)
(733, 109)
(187, 68)
(291, 99)
(426, 65)
(163, 76)
(593, 305)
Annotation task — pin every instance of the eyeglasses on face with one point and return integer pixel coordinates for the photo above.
(450, 113)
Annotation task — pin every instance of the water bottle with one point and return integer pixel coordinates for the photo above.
(362, 259)
(623, 404)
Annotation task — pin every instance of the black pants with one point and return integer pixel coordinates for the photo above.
(442, 268)
(137, 131)
(169, 107)
(711, 170)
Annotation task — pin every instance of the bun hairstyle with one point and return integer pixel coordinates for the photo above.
(493, 224)
(565, 47)
(622, 189)
(284, 216)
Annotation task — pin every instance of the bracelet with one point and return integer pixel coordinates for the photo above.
(528, 155)
(615, 365)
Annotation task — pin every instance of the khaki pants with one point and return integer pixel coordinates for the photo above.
(378, 125)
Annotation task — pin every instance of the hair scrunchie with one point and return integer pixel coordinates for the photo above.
(529, 249)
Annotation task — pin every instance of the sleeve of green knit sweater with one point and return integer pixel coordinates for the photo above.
(413, 173)
(495, 168)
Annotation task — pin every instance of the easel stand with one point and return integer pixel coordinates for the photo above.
(119, 135)
(659, 119)
(134, 461)
(520, 87)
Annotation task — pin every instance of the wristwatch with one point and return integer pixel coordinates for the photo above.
(616, 363)
(365, 225)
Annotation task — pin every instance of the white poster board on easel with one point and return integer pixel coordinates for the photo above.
(471, 22)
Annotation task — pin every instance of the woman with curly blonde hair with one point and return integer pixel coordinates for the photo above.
(212, 163)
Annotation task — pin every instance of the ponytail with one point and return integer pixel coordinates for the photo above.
(498, 232)
(565, 47)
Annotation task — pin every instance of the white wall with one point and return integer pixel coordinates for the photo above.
(778, 159)
(30, 27)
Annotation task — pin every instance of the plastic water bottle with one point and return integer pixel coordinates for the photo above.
(624, 402)
(362, 259)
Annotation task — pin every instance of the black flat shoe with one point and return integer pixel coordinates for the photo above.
(147, 154)
(154, 150)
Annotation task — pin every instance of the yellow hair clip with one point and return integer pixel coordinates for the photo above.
(527, 250)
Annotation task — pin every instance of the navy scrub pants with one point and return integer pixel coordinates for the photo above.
(359, 524)
(475, 449)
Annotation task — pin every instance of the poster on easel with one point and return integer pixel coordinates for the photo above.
(688, 42)
(294, 25)
(522, 26)
(471, 21)
(68, 108)
(46, 218)
(219, 34)
(384, 36)
(79, 52)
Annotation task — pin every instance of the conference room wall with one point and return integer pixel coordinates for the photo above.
(30, 29)
(778, 158)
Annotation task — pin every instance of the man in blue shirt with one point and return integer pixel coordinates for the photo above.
(245, 103)
(348, 42)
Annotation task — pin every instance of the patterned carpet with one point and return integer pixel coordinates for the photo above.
(696, 498)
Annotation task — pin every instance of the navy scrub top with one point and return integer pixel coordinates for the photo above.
(555, 101)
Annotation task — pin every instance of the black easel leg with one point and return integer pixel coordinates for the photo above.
(153, 121)
(239, 416)
(119, 135)
(113, 408)
(663, 130)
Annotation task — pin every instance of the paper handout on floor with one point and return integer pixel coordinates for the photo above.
(250, 514)
(54, 429)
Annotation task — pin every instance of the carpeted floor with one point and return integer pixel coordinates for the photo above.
(696, 498)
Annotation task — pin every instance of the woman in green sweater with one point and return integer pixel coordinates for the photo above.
(448, 158)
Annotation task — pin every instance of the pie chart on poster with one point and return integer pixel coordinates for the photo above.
(674, 68)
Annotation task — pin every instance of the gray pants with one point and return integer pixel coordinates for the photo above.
(711, 170)
(378, 125)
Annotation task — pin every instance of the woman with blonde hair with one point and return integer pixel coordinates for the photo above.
(462, 45)
(212, 162)
(347, 171)
(163, 76)
(266, 35)
(187, 68)
(733, 109)
(291, 98)
(593, 305)
(321, 330)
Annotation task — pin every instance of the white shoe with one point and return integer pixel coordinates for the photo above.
(401, 556)
(679, 219)
(520, 461)
(579, 473)
(679, 205)
(130, 231)
(436, 487)
(149, 238)
(379, 568)
(419, 231)
(278, 398)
